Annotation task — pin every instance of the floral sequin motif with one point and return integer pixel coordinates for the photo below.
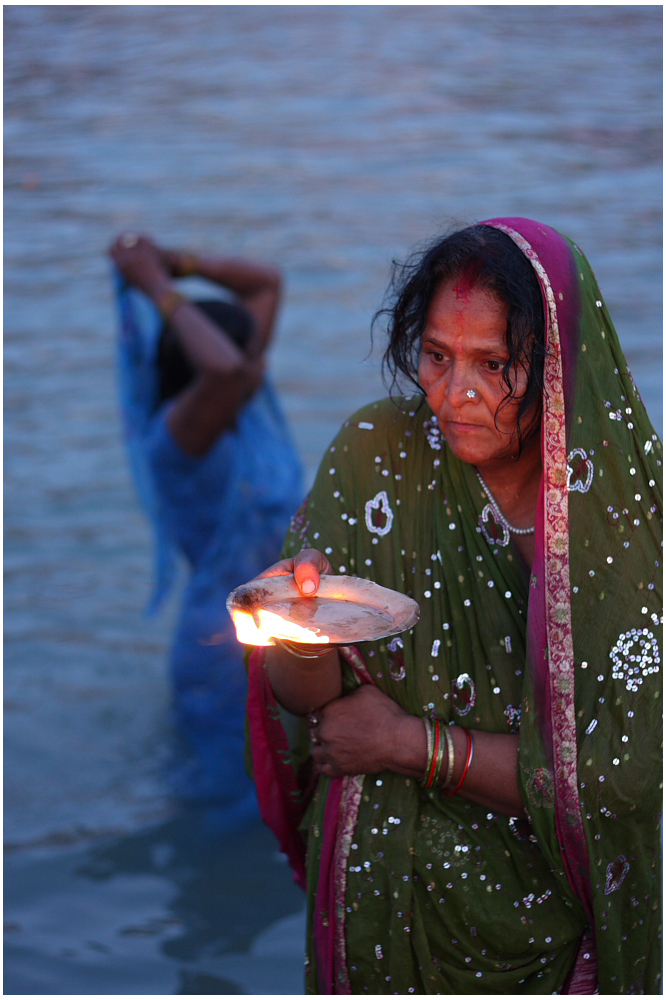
(299, 524)
(433, 433)
(616, 873)
(512, 714)
(378, 514)
(396, 662)
(540, 788)
(463, 694)
(580, 470)
(493, 531)
(635, 655)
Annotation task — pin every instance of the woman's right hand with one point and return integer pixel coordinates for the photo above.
(306, 567)
(140, 263)
(303, 685)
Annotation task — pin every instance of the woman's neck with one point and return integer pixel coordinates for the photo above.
(514, 483)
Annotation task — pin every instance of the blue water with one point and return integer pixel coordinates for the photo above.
(328, 140)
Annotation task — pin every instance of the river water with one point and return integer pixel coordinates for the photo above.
(328, 140)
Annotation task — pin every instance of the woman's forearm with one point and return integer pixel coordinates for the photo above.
(243, 277)
(207, 347)
(258, 286)
(492, 778)
(302, 686)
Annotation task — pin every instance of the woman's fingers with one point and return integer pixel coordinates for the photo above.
(284, 567)
(306, 567)
(355, 734)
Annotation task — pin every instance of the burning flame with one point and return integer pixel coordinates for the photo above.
(260, 629)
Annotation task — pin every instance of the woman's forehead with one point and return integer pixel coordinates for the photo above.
(458, 309)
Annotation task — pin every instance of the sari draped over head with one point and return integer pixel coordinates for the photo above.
(411, 891)
(225, 513)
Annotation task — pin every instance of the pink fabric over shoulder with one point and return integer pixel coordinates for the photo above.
(281, 806)
(278, 793)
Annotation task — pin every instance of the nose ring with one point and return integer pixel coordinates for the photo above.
(471, 393)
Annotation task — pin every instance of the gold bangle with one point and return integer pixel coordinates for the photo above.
(429, 744)
(451, 758)
(295, 649)
(440, 752)
(168, 302)
(187, 264)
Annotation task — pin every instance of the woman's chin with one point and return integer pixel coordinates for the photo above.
(469, 455)
(465, 449)
(475, 454)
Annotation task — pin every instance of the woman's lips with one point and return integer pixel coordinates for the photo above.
(460, 426)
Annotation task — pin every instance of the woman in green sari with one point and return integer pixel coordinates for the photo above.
(473, 806)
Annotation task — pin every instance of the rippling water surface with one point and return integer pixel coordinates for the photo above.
(329, 140)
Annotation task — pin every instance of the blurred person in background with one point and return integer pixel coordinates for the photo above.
(478, 807)
(218, 478)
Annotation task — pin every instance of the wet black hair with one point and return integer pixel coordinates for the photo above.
(491, 261)
(175, 371)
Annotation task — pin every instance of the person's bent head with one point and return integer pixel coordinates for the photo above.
(175, 371)
(467, 326)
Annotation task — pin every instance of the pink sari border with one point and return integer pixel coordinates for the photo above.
(554, 657)
(282, 807)
(278, 794)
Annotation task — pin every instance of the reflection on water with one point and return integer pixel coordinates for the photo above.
(168, 909)
(328, 139)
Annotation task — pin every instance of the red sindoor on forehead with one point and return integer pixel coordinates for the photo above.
(467, 280)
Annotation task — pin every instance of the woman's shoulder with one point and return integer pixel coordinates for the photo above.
(387, 418)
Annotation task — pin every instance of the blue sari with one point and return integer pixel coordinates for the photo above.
(226, 513)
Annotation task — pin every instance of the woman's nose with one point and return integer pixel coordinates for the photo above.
(460, 386)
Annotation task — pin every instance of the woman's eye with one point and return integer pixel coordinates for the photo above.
(494, 366)
(437, 356)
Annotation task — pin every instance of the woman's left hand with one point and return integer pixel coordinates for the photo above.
(362, 733)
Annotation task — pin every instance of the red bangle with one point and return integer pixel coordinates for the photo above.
(468, 760)
(433, 762)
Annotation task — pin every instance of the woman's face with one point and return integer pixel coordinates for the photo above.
(463, 352)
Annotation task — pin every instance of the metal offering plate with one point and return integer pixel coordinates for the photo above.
(344, 610)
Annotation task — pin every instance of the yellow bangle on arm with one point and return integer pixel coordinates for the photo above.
(301, 650)
(429, 748)
(187, 264)
(451, 760)
(168, 302)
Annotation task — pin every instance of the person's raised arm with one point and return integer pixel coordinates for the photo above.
(257, 285)
(226, 376)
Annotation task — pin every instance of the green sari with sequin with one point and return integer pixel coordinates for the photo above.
(411, 891)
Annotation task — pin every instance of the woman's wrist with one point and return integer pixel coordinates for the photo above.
(157, 285)
(181, 263)
(188, 263)
(167, 302)
(303, 685)
(409, 746)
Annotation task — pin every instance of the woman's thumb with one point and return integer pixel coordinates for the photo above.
(307, 567)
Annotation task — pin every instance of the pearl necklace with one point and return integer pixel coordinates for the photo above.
(499, 518)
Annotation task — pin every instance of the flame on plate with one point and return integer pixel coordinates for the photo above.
(260, 628)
